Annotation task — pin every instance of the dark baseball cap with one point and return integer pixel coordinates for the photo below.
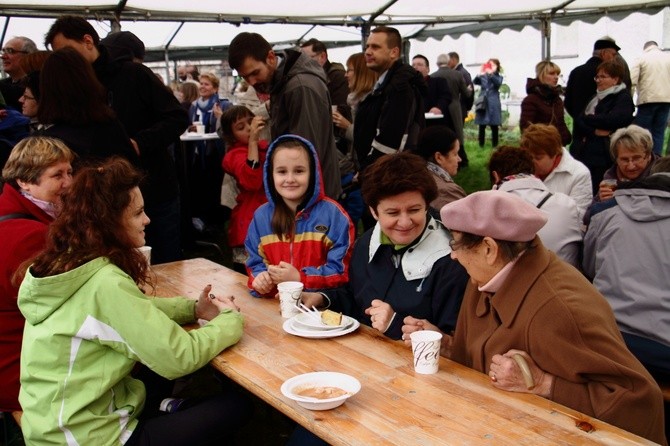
(601, 44)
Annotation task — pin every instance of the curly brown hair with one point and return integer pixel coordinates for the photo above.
(90, 224)
(395, 174)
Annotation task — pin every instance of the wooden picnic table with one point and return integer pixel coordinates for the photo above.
(395, 406)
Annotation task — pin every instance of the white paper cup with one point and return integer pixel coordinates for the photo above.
(200, 128)
(289, 294)
(146, 251)
(333, 108)
(426, 349)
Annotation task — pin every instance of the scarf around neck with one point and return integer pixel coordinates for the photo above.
(439, 171)
(600, 95)
(49, 208)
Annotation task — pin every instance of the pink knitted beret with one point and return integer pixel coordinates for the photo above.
(497, 214)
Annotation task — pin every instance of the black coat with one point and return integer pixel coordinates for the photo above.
(95, 141)
(613, 112)
(151, 115)
(390, 115)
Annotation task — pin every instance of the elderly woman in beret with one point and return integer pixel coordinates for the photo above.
(534, 324)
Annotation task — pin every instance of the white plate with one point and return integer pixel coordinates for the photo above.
(290, 328)
(433, 116)
(307, 321)
(334, 379)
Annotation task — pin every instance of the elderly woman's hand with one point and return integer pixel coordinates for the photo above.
(412, 324)
(209, 306)
(605, 190)
(507, 374)
(381, 315)
(262, 283)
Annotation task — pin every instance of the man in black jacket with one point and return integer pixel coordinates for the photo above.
(152, 118)
(390, 118)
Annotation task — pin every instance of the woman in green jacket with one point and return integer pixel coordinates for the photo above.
(88, 323)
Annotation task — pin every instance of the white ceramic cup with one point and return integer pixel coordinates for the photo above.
(146, 251)
(426, 349)
(289, 294)
(200, 129)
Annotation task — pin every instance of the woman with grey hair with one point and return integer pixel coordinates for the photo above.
(631, 149)
(544, 105)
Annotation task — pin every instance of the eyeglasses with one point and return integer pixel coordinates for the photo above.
(11, 51)
(601, 77)
(637, 160)
(25, 96)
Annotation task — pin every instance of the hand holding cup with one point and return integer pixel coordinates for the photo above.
(606, 189)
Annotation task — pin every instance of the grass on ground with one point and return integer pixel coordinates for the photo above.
(475, 176)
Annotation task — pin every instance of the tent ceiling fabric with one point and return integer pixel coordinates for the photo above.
(204, 28)
(340, 12)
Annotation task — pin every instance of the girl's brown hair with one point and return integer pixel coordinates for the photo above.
(90, 224)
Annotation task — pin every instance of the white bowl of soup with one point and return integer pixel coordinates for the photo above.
(320, 390)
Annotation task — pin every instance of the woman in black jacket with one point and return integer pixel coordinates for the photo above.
(610, 109)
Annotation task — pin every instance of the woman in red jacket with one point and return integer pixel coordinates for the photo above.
(37, 172)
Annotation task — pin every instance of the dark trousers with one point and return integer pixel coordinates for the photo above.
(211, 420)
(653, 355)
(494, 135)
(163, 234)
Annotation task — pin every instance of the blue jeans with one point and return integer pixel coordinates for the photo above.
(653, 355)
(654, 117)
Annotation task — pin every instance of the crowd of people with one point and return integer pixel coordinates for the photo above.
(336, 179)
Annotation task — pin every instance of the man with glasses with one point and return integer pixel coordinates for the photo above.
(11, 54)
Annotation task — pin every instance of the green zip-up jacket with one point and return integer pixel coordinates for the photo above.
(85, 330)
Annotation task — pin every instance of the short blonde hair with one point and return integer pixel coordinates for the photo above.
(32, 156)
(544, 67)
(632, 137)
(211, 77)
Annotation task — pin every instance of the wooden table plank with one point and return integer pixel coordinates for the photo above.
(395, 406)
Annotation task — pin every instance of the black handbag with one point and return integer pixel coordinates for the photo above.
(480, 103)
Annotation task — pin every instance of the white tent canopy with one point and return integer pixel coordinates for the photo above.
(203, 29)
